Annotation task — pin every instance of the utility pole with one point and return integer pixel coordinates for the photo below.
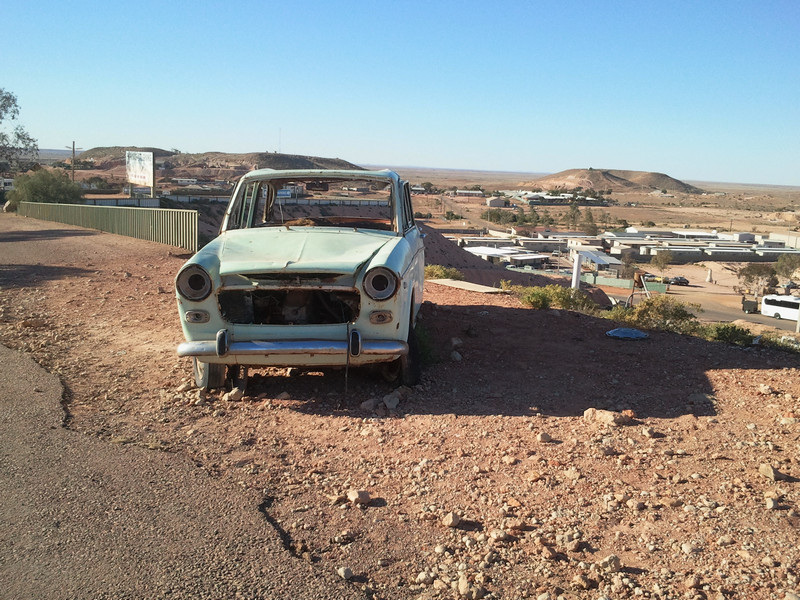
(73, 159)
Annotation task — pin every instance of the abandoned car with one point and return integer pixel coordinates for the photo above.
(312, 268)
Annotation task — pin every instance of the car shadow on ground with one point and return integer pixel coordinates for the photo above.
(519, 362)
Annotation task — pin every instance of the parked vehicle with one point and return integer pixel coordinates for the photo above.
(749, 306)
(679, 280)
(780, 307)
(790, 285)
(649, 277)
(311, 268)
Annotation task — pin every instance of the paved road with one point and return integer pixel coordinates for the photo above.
(84, 518)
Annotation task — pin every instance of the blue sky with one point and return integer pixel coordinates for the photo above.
(698, 90)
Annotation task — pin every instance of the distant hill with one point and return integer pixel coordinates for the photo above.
(112, 156)
(612, 179)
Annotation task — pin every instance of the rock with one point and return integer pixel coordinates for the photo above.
(544, 437)
(610, 564)
(548, 553)
(426, 578)
(358, 496)
(770, 473)
(235, 395)
(606, 417)
(772, 504)
(392, 400)
(456, 343)
(184, 387)
(581, 582)
(648, 432)
(463, 586)
(498, 535)
(689, 548)
(345, 573)
(369, 405)
(692, 582)
(725, 540)
(455, 356)
(283, 396)
(451, 519)
(791, 596)
(509, 460)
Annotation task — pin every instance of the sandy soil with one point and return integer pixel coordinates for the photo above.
(538, 458)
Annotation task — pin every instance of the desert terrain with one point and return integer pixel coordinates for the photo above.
(538, 458)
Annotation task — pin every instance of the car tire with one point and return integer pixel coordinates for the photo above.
(407, 369)
(209, 376)
(410, 364)
(777, 316)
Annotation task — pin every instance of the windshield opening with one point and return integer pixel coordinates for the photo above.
(356, 203)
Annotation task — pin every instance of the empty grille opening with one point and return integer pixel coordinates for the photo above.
(288, 307)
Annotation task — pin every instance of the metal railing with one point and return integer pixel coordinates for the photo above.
(166, 226)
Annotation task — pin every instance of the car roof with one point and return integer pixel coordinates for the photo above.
(267, 174)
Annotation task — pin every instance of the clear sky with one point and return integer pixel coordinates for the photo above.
(700, 90)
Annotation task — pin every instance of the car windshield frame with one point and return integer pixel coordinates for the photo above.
(352, 201)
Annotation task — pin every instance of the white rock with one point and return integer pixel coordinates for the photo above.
(235, 395)
(610, 564)
(392, 401)
(345, 573)
(451, 519)
(544, 437)
(358, 496)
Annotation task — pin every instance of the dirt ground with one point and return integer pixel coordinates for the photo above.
(539, 457)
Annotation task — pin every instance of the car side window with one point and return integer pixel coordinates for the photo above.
(408, 211)
(235, 217)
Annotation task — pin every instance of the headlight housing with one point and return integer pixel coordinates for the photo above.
(380, 283)
(193, 283)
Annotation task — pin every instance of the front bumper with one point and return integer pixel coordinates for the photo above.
(294, 352)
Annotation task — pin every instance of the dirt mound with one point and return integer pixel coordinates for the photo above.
(615, 180)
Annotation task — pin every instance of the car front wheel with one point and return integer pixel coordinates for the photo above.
(208, 376)
(407, 369)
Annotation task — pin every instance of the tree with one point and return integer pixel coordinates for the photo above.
(787, 265)
(45, 186)
(573, 216)
(589, 226)
(757, 276)
(662, 260)
(17, 144)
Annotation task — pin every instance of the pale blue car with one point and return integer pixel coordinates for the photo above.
(312, 268)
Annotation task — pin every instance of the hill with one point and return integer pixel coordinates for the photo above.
(613, 179)
(113, 156)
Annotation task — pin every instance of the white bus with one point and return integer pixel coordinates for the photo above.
(780, 307)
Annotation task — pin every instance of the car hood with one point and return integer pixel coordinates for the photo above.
(298, 250)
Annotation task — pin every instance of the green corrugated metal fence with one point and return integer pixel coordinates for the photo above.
(166, 226)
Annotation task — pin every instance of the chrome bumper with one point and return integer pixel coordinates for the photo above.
(294, 348)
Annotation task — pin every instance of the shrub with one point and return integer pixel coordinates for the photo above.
(728, 333)
(665, 314)
(441, 272)
(45, 186)
(556, 296)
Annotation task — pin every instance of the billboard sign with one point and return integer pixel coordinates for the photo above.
(140, 168)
